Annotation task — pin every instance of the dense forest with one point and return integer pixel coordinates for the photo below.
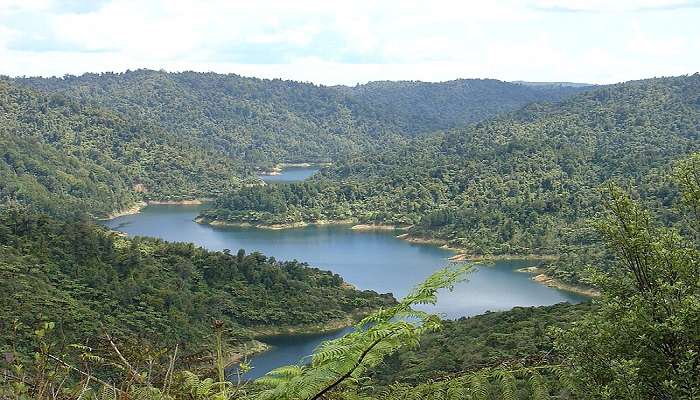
(425, 107)
(607, 179)
(60, 154)
(100, 142)
(520, 184)
(488, 340)
(88, 281)
(638, 341)
(263, 121)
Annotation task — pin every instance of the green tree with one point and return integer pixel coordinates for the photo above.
(643, 341)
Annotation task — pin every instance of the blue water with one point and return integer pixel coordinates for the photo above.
(369, 260)
(374, 260)
(291, 174)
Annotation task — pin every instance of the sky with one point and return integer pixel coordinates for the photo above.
(349, 42)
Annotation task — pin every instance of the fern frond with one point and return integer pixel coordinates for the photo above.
(479, 386)
(507, 385)
(539, 387)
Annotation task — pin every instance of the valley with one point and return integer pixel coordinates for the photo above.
(307, 235)
(369, 260)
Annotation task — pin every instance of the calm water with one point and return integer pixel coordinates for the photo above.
(369, 260)
(291, 174)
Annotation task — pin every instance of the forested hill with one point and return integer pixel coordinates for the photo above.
(99, 142)
(260, 120)
(58, 153)
(254, 120)
(420, 107)
(516, 184)
(89, 281)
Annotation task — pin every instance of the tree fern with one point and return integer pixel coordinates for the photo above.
(507, 385)
(338, 361)
(539, 387)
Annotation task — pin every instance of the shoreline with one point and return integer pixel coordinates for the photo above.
(355, 226)
(263, 332)
(290, 225)
(275, 170)
(193, 202)
(541, 277)
(260, 333)
(379, 227)
(140, 205)
(502, 257)
(248, 349)
(460, 255)
(301, 224)
(134, 209)
(278, 168)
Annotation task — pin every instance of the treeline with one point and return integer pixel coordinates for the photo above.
(99, 142)
(425, 107)
(265, 121)
(90, 281)
(524, 183)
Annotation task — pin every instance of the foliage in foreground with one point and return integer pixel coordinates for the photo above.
(336, 366)
(644, 340)
(481, 341)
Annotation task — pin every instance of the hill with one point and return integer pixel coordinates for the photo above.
(100, 142)
(59, 154)
(519, 184)
(262, 121)
(90, 282)
(422, 107)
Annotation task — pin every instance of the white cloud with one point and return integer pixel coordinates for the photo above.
(349, 42)
(611, 6)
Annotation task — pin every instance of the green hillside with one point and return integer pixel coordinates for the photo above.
(150, 293)
(60, 154)
(518, 184)
(102, 141)
(423, 107)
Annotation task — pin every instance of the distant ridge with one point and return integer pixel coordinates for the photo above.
(555, 84)
(100, 142)
(423, 107)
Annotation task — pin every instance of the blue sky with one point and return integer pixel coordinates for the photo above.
(349, 42)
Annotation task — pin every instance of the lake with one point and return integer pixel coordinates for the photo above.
(290, 174)
(374, 260)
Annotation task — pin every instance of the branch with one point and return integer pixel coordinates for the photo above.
(354, 367)
(84, 373)
(132, 371)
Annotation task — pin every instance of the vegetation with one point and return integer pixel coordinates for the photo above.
(643, 341)
(482, 341)
(58, 154)
(524, 183)
(100, 142)
(264, 121)
(424, 107)
(639, 341)
(152, 294)
(87, 313)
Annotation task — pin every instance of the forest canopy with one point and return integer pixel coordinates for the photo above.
(88, 280)
(101, 142)
(524, 183)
